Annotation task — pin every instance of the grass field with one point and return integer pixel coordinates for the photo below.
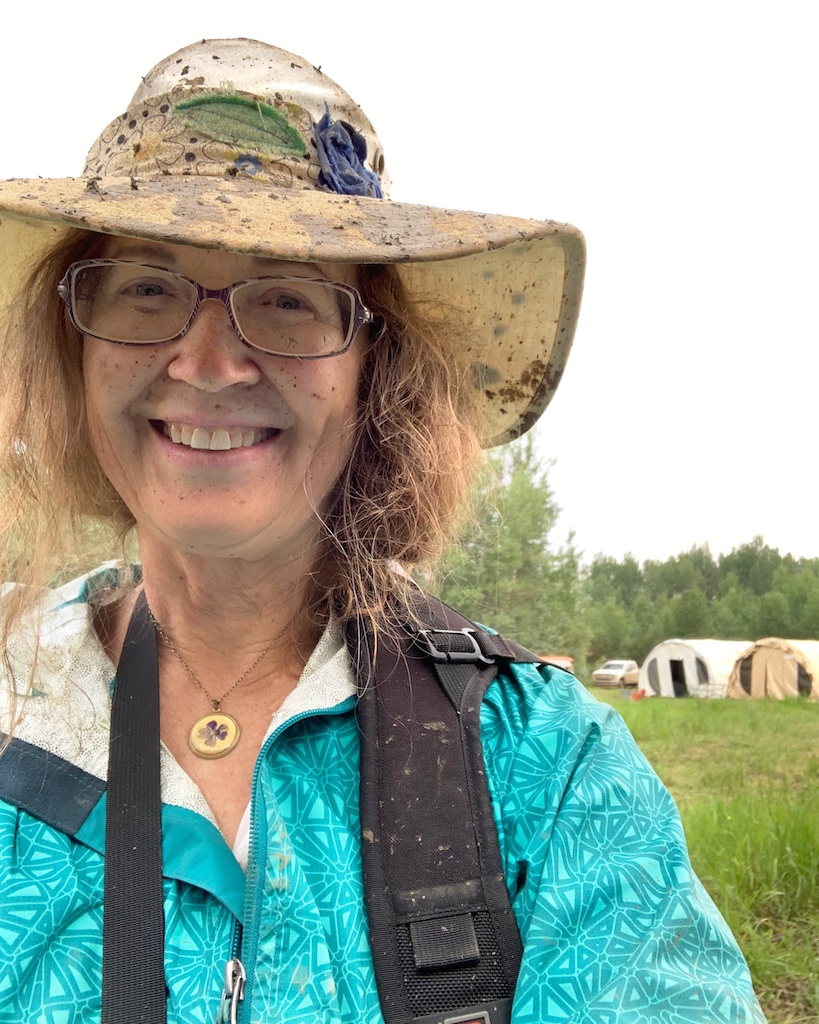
(746, 778)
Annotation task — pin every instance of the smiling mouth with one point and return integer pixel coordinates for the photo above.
(219, 440)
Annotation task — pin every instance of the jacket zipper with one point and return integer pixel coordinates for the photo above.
(233, 991)
(234, 1008)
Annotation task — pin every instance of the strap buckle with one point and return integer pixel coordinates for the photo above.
(449, 654)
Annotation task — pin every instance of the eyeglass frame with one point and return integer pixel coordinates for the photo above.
(362, 315)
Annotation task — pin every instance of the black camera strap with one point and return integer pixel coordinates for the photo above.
(133, 947)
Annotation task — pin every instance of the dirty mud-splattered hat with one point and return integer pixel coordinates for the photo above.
(234, 144)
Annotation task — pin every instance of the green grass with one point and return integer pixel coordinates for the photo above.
(746, 778)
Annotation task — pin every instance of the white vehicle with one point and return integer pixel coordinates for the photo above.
(614, 673)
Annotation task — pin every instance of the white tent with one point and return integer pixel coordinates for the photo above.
(690, 668)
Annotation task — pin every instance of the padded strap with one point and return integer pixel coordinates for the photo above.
(445, 942)
(133, 973)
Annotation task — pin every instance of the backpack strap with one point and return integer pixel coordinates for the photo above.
(445, 943)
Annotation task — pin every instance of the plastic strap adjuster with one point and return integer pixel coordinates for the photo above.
(473, 654)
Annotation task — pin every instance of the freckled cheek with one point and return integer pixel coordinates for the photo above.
(330, 390)
(111, 379)
(113, 372)
(99, 426)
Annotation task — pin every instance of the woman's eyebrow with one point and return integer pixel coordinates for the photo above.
(159, 254)
(266, 263)
(144, 250)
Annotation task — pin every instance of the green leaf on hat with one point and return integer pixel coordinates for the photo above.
(242, 122)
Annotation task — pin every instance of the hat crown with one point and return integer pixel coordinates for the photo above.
(243, 107)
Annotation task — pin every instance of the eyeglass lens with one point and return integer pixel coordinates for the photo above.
(131, 303)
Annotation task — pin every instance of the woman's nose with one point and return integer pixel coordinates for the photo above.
(211, 356)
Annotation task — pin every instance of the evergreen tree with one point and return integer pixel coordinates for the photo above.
(504, 571)
(691, 615)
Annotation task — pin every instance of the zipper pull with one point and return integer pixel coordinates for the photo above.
(233, 992)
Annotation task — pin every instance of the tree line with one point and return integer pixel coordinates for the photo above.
(505, 571)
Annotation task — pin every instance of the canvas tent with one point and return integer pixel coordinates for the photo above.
(777, 668)
(690, 668)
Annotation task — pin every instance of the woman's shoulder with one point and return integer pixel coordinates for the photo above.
(79, 591)
(529, 699)
(55, 678)
(542, 730)
(55, 620)
(537, 697)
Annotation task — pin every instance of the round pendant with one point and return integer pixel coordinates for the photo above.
(214, 735)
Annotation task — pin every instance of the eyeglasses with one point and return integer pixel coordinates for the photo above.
(134, 304)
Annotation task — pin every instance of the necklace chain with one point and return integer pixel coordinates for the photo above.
(215, 703)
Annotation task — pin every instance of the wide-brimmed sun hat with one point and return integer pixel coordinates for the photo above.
(235, 144)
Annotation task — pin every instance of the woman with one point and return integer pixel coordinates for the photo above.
(224, 342)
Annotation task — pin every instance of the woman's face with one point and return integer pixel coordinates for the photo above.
(150, 409)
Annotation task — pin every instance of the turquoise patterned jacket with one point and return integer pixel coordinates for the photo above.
(616, 927)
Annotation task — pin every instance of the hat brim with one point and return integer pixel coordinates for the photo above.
(518, 282)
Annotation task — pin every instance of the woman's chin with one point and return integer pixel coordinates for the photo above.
(216, 539)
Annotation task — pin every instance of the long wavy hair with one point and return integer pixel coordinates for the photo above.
(394, 505)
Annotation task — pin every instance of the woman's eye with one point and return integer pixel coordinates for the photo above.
(289, 302)
(289, 305)
(147, 289)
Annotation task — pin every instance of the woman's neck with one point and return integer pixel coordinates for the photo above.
(222, 613)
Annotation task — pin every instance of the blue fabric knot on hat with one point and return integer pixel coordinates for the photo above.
(342, 152)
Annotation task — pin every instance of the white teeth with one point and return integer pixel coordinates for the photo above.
(200, 438)
(220, 440)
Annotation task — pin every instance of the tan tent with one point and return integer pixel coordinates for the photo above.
(777, 668)
(689, 668)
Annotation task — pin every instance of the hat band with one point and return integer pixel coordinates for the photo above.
(232, 134)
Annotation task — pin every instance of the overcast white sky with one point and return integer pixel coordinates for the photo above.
(681, 138)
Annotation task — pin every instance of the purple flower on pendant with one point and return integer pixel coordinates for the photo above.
(212, 733)
(342, 152)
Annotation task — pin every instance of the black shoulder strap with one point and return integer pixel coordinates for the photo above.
(445, 942)
(133, 923)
